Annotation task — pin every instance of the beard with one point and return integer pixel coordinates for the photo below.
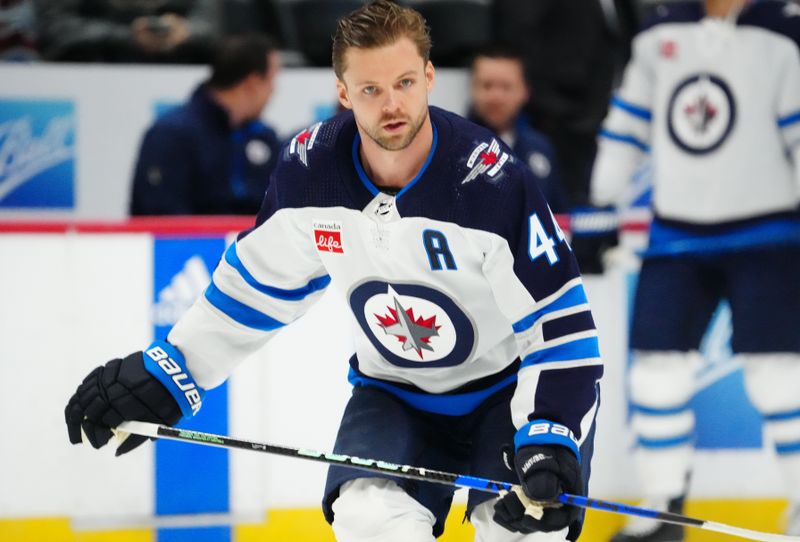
(400, 141)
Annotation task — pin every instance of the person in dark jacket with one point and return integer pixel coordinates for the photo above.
(213, 155)
(127, 30)
(572, 52)
(498, 94)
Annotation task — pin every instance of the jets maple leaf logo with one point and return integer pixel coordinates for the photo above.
(486, 158)
(304, 142)
(414, 332)
(701, 114)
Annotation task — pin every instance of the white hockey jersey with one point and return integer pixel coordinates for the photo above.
(459, 285)
(716, 104)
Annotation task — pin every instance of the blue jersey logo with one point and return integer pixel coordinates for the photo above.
(412, 325)
(37, 154)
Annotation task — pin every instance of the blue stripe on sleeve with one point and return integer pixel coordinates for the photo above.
(788, 120)
(786, 448)
(782, 416)
(580, 349)
(296, 294)
(238, 311)
(650, 411)
(635, 110)
(623, 138)
(572, 297)
(671, 442)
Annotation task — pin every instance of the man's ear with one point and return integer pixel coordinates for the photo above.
(430, 75)
(341, 92)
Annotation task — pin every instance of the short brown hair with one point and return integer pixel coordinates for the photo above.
(376, 24)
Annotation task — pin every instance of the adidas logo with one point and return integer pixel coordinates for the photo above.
(181, 292)
(533, 460)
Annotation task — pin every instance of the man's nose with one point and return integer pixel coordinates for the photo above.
(391, 103)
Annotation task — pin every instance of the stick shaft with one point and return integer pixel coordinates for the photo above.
(370, 465)
(430, 475)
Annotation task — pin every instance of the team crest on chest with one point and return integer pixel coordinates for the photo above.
(702, 112)
(412, 325)
(487, 158)
(303, 142)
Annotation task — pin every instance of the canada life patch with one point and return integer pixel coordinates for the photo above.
(328, 237)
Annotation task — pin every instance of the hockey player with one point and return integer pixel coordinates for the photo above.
(472, 327)
(713, 93)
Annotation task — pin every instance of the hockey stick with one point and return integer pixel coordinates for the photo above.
(430, 475)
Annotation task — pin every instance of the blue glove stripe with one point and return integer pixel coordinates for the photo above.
(544, 432)
(167, 364)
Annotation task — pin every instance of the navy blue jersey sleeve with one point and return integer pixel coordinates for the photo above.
(537, 283)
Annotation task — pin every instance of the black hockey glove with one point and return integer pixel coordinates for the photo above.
(544, 472)
(120, 390)
(595, 230)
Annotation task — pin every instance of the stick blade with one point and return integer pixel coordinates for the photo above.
(139, 428)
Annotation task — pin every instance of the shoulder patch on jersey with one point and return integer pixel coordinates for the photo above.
(486, 158)
(303, 142)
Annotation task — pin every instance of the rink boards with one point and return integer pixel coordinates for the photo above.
(72, 300)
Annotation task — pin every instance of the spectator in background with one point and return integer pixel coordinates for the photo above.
(212, 155)
(498, 94)
(17, 31)
(572, 52)
(180, 31)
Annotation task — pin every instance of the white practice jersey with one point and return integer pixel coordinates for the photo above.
(458, 286)
(717, 105)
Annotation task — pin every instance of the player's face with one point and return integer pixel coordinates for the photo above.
(387, 89)
(498, 90)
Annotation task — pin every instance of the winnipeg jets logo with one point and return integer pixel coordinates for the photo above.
(303, 142)
(411, 325)
(414, 333)
(701, 113)
(486, 158)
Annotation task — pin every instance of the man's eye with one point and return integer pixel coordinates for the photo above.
(405, 83)
(369, 90)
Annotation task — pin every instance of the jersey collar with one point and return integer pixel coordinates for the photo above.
(370, 186)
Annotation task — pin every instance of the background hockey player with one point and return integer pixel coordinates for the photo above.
(713, 93)
(498, 94)
(472, 328)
